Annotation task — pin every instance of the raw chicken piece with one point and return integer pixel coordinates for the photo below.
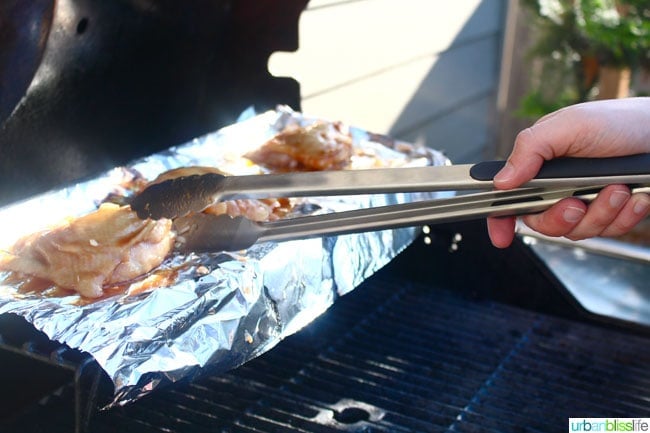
(320, 146)
(265, 209)
(193, 170)
(105, 247)
(269, 209)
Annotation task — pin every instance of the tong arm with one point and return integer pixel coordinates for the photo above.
(209, 233)
(190, 194)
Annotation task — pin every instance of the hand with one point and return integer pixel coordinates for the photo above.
(593, 129)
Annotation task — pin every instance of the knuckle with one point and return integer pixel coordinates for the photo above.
(623, 226)
(544, 228)
(620, 226)
(573, 237)
(579, 236)
(526, 145)
(524, 137)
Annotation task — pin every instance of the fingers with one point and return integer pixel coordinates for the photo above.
(501, 231)
(613, 213)
(602, 212)
(560, 219)
(635, 210)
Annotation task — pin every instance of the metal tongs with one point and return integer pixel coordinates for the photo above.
(183, 198)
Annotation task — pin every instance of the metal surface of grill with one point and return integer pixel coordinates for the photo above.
(401, 356)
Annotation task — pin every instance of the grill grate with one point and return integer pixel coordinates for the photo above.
(395, 356)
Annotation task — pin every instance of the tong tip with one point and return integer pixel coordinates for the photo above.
(176, 197)
(206, 232)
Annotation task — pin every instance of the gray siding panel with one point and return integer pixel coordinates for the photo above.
(459, 76)
(408, 68)
(460, 134)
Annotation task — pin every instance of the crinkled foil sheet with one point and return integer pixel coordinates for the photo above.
(240, 304)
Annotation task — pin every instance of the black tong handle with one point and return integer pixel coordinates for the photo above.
(574, 167)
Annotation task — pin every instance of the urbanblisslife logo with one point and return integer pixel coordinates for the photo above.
(609, 424)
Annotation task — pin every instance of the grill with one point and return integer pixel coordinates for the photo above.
(399, 354)
(464, 340)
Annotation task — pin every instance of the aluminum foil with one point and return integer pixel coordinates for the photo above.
(220, 309)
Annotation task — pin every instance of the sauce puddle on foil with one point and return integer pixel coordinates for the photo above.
(34, 286)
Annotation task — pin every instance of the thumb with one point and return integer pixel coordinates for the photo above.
(560, 133)
(524, 162)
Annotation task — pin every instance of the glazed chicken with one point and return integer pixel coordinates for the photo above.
(112, 246)
(319, 146)
(106, 247)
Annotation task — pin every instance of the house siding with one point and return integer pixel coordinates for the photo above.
(424, 71)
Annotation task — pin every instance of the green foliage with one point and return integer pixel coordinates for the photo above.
(618, 31)
(535, 105)
(613, 32)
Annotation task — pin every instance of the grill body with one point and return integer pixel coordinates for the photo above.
(473, 339)
(405, 352)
